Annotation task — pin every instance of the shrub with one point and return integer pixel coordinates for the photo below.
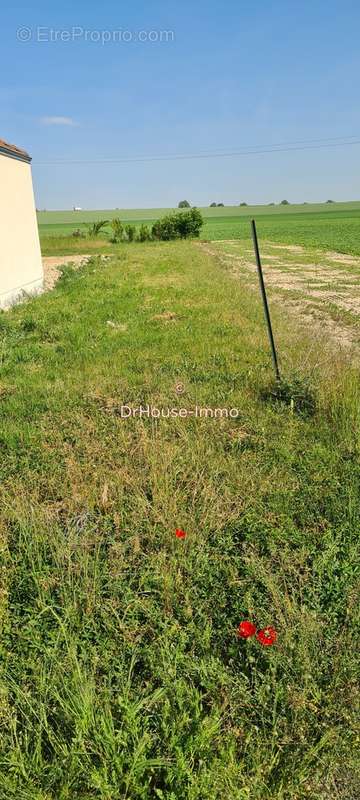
(184, 204)
(184, 225)
(284, 203)
(165, 228)
(95, 227)
(144, 234)
(220, 205)
(130, 231)
(242, 204)
(118, 230)
(189, 224)
(212, 205)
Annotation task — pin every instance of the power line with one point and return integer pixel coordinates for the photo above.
(283, 147)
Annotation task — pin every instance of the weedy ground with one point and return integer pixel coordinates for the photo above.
(121, 672)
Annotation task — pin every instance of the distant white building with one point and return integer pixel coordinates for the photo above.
(77, 208)
(21, 270)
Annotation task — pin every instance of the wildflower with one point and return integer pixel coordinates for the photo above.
(246, 629)
(267, 636)
(180, 534)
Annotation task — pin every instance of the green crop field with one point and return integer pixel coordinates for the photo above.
(334, 226)
(122, 673)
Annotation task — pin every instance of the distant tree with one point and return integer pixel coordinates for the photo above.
(284, 203)
(212, 205)
(184, 204)
(220, 205)
(330, 201)
(271, 204)
(242, 204)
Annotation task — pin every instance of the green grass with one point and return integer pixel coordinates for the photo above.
(121, 672)
(333, 226)
(146, 214)
(59, 245)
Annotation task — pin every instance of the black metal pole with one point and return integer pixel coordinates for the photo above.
(264, 299)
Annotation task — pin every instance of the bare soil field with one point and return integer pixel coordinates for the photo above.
(321, 288)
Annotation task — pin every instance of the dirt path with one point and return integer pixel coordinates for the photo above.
(52, 263)
(320, 287)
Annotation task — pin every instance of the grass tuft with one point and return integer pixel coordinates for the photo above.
(295, 392)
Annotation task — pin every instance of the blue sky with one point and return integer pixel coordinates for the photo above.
(233, 75)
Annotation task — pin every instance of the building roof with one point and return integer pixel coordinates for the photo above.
(13, 152)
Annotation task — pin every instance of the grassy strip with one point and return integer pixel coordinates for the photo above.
(70, 246)
(122, 675)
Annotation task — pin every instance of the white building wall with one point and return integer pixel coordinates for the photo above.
(20, 257)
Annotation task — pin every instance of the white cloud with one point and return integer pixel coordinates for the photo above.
(59, 121)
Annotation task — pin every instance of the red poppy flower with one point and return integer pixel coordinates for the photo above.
(267, 636)
(246, 629)
(180, 534)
